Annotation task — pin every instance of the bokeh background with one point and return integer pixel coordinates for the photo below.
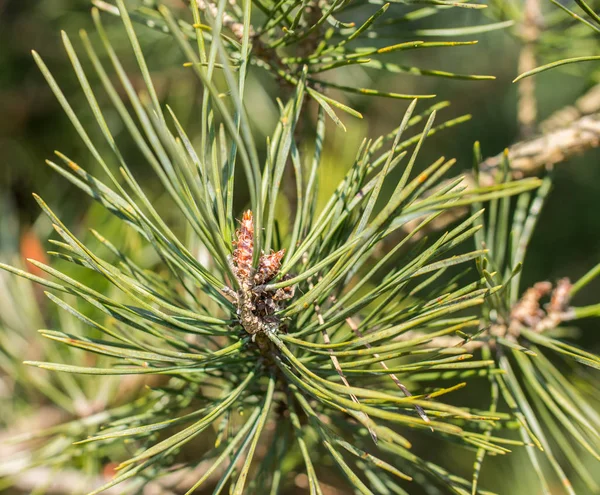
(32, 125)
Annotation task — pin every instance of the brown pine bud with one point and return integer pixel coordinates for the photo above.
(244, 247)
(268, 267)
(559, 300)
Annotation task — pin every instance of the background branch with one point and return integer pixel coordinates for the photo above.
(527, 158)
(530, 32)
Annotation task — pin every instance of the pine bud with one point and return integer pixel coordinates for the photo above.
(244, 244)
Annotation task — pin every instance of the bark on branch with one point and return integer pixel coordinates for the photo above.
(527, 158)
(532, 156)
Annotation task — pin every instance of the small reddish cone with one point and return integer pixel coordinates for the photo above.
(244, 247)
(268, 267)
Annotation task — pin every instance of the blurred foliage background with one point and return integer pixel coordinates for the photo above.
(32, 125)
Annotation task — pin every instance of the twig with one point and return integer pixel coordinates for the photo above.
(587, 104)
(531, 156)
(527, 158)
(527, 104)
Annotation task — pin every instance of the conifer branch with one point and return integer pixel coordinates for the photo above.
(294, 330)
(527, 158)
(534, 155)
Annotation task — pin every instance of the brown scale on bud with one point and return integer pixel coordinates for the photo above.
(268, 267)
(244, 249)
(285, 292)
(528, 311)
(561, 295)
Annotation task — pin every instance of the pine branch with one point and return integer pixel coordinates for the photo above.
(526, 158)
(530, 32)
(533, 156)
(587, 104)
(293, 330)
